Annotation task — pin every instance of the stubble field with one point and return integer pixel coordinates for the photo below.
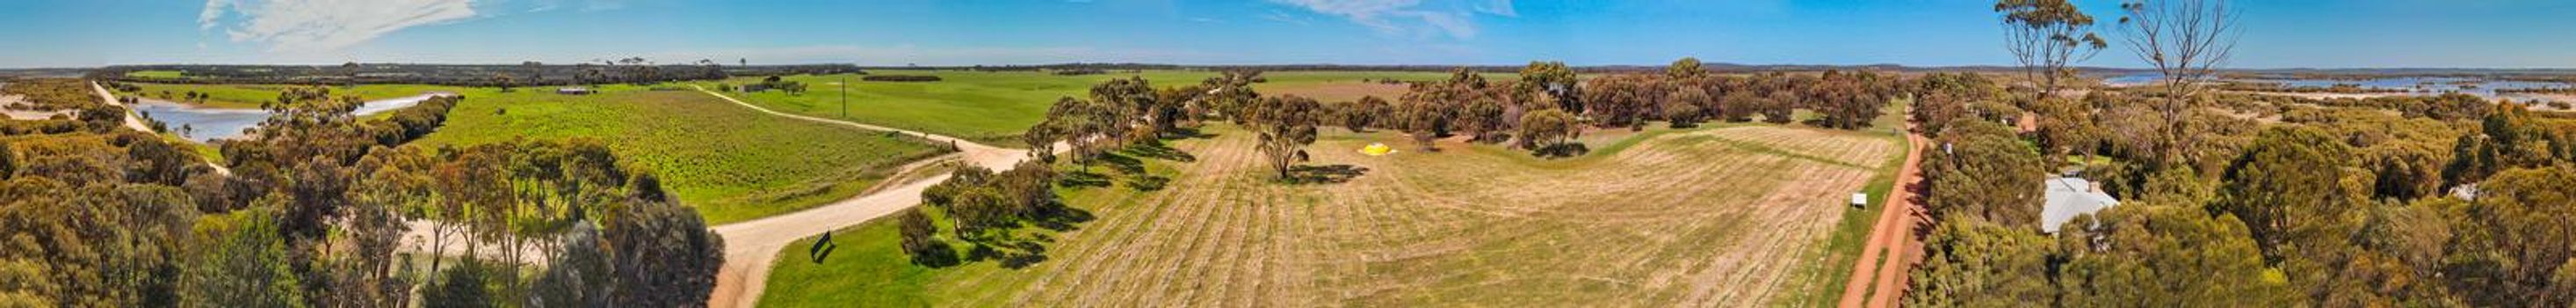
(1735, 215)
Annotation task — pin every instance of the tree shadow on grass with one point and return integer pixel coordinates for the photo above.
(1120, 163)
(1016, 251)
(1162, 152)
(939, 255)
(1562, 150)
(1060, 218)
(1012, 254)
(1327, 174)
(1147, 182)
(1187, 133)
(1083, 178)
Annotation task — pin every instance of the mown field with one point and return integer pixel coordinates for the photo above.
(730, 162)
(994, 107)
(1723, 215)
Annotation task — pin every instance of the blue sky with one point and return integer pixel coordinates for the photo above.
(2280, 33)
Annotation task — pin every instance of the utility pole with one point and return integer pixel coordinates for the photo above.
(845, 96)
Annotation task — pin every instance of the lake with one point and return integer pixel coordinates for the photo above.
(2482, 87)
(208, 124)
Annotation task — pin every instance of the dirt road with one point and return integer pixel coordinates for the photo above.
(1891, 237)
(135, 122)
(130, 120)
(751, 246)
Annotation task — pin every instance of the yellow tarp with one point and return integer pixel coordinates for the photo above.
(1377, 149)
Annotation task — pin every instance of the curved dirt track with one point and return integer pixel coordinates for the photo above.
(136, 123)
(751, 246)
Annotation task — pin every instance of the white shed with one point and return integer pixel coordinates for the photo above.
(2068, 197)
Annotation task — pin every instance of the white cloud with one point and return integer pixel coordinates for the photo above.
(325, 25)
(1407, 16)
(214, 9)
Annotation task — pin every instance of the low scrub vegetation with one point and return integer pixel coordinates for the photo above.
(2395, 201)
(314, 211)
(51, 94)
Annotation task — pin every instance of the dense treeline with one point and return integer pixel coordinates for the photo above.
(1549, 103)
(1602, 69)
(313, 212)
(1542, 110)
(627, 71)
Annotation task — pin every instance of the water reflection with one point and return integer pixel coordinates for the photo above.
(207, 124)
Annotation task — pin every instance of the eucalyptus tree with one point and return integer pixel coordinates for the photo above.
(1555, 80)
(1286, 124)
(1685, 69)
(2046, 36)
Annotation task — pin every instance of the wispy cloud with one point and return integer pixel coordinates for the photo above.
(1283, 17)
(289, 25)
(214, 9)
(1408, 16)
(1498, 7)
(331, 25)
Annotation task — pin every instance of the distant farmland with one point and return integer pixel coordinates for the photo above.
(995, 107)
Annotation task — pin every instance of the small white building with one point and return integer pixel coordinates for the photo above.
(574, 91)
(2071, 196)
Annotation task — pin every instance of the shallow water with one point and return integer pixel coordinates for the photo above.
(208, 124)
(2482, 87)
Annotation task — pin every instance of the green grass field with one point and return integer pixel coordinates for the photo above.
(1463, 226)
(730, 162)
(990, 107)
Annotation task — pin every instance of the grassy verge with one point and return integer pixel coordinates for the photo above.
(732, 163)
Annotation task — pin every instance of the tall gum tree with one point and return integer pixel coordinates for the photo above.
(2046, 36)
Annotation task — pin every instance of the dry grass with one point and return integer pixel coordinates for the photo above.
(1338, 91)
(1721, 216)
